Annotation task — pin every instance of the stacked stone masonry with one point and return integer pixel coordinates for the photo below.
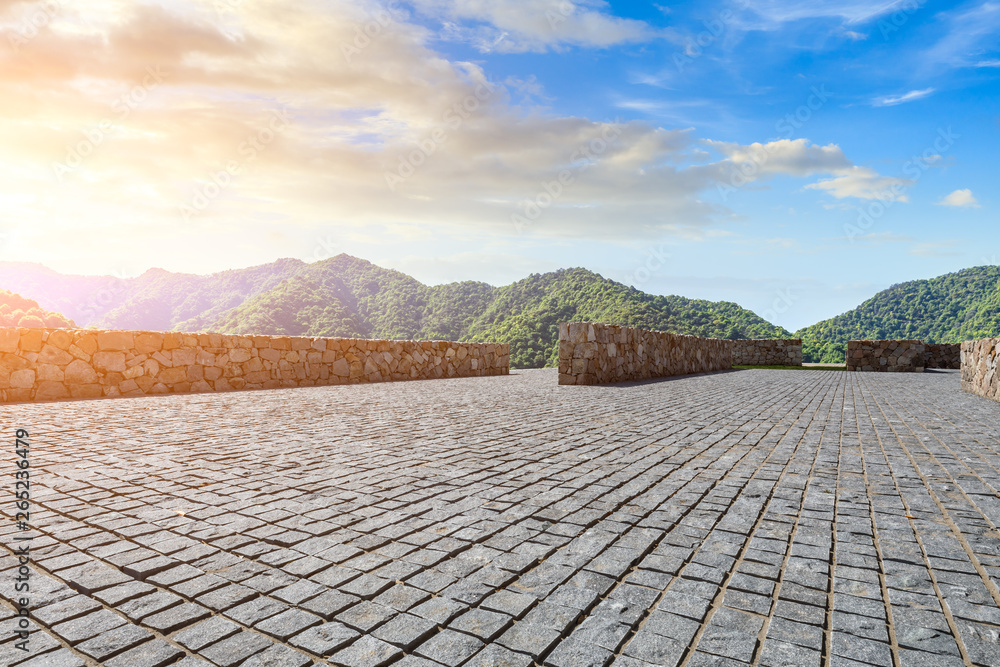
(892, 356)
(46, 364)
(947, 356)
(979, 367)
(768, 352)
(598, 353)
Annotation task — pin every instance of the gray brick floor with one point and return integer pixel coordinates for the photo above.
(753, 517)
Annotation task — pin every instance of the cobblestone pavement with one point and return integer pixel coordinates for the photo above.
(762, 517)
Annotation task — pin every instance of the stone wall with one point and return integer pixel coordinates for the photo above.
(946, 355)
(598, 353)
(893, 356)
(979, 367)
(767, 352)
(44, 364)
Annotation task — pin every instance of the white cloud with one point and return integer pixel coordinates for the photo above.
(357, 109)
(960, 199)
(514, 26)
(800, 159)
(359, 106)
(968, 32)
(893, 100)
(778, 12)
(793, 157)
(864, 183)
(988, 63)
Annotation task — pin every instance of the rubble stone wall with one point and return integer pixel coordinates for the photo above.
(45, 364)
(945, 355)
(767, 352)
(598, 353)
(892, 356)
(979, 367)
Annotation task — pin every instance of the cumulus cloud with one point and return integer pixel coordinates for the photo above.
(534, 25)
(960, 199)
(801, 159)
(793, 157)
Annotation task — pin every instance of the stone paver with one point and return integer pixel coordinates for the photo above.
(753, 517)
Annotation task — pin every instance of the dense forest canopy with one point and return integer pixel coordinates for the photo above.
(17, 311)
(948, 309)
(345, 296)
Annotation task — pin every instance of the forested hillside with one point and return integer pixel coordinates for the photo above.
(948, 309)
(527, 314)
(17, 311)
(346, 296)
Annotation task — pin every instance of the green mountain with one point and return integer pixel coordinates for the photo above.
(17, 311)
(527, 314)
(346, 296)
(948, 309)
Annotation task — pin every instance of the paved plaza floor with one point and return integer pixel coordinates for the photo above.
(759, 517)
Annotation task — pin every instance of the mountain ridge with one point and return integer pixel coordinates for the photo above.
(951, 308)
(351, 297)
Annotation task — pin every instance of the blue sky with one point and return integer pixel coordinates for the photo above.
(878, 84)
(793, 157)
